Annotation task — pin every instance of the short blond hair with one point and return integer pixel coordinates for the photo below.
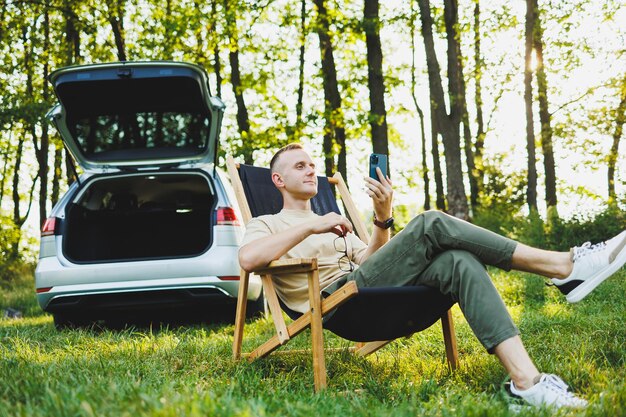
(282, 150)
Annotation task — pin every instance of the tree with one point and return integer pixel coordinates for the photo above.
(303, 33)
(334, 132)
(375, 80)
(42, 150)
(447, 124)
(531, 191)
(620, 119)
(243, 121)
(547, 147)
(420, 113)
(440, 200)
(479, 143)
(116, 11)
(456, 64)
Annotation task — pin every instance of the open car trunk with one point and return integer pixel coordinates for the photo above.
(140, 216)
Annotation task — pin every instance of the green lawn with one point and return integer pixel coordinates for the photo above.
(188, 371)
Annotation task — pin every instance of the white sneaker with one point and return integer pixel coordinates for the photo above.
(592, 265)
(549, 390)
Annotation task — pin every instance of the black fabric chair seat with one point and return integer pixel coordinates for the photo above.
(385, 313)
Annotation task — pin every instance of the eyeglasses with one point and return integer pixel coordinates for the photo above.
(341, 246)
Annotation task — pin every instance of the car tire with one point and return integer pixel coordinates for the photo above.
(258, 308)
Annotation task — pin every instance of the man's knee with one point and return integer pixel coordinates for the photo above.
(433, 215)
(425, 220)
(461, 258)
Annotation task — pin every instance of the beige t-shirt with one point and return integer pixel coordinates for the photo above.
(292, 288)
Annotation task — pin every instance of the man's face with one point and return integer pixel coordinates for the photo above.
(295, 174)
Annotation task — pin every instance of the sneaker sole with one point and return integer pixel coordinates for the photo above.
(584, 289)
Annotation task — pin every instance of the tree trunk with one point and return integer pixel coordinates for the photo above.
(299, 124)
(72, 56)
(217, 64)
(447, 125)
(217, 69)
(478, 99)
(17, 218)
(44, 144)
(544, 114)
(72, 37)
(620, 119)
(375, 81)
(420, 113)
(3, 12)
(440, 201)
(69, 168)
(243, 120)
(56, 178)
(531, 192)
(116, 19)
(5, 164)
(467, 135)
(331, 87)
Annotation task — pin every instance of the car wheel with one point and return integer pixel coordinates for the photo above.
(257, 308)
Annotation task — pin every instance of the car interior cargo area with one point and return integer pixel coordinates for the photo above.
(140, 216)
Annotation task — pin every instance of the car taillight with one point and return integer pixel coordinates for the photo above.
(230, 278)
(49, 226)
(43, 289)
(226, 217)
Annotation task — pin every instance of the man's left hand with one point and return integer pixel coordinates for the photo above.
(381, 193)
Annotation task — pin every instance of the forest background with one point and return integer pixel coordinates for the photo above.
(509, 114)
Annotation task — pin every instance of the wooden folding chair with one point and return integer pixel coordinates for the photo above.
(245, 185)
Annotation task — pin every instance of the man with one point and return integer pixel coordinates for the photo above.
(435, 250)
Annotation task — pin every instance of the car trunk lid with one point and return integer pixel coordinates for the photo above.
(129, 115)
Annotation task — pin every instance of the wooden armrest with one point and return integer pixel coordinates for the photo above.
(287, 266)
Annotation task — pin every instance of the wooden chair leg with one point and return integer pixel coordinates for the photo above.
(449, 338)
(336, 299)
(275, 310)
(317, 335)
(364, 349)
(240, 316)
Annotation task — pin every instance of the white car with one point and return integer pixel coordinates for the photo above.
(150, 224)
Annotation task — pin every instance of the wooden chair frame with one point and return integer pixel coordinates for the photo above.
(318, 306)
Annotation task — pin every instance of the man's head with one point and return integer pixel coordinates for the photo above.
(276, 158)
(293, 172)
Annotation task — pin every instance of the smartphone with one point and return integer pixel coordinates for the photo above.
(378, 160)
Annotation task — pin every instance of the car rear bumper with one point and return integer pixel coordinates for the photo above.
(139, 300)
(111, 285)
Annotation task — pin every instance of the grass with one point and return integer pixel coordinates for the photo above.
(188, 371)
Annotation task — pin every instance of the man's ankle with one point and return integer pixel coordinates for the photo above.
(565, 266)
(525, 382)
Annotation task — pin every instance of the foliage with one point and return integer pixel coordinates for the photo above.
(563, 234)
(9, 240)
(17, 288)
(555, 233)
(38, 37)
(188, 371)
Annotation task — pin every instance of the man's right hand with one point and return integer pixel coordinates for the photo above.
(332, 222)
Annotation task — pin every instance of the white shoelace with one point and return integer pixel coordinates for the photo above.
(557, 385)
(586, 249)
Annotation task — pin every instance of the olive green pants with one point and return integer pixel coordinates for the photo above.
(441, 251)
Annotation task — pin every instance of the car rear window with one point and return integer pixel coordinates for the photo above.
(133, 135)
(117, 120)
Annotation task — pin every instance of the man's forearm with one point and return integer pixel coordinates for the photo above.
(261, 252)
(378, 239)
